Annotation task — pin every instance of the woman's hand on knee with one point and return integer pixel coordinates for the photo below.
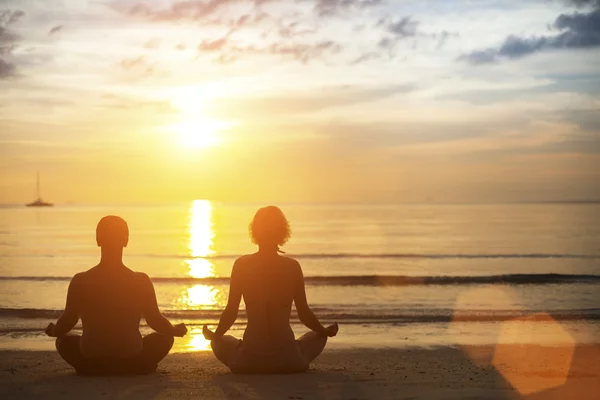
(332, 330)
(208, 334)
(50, 330)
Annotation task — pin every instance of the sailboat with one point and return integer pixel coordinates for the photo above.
(39, 202)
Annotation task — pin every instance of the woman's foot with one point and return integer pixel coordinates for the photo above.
(208, 334)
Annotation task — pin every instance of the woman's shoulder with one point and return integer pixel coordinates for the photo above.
(249, 259)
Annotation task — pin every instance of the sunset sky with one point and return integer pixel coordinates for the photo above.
(300, 100)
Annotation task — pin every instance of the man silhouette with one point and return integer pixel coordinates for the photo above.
(111, 299)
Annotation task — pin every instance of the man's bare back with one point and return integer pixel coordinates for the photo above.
(111, 303)
(111, 299)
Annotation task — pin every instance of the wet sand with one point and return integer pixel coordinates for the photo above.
(501, 372)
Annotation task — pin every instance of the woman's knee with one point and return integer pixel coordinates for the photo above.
(67, 342)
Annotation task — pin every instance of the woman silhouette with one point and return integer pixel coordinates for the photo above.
(269, 284)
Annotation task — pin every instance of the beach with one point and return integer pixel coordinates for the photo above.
(521, 372)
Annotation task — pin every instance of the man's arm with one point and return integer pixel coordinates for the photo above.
(305, 314)
(70, 316)
(233, 302)
(152, 314)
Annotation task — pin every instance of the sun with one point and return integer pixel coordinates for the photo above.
(198, 133)
(196, 129)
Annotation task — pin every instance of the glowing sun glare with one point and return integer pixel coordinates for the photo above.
(199, 133)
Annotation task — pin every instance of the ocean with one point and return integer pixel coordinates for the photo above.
(390, 275)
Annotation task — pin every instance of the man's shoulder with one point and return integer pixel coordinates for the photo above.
(141, 277)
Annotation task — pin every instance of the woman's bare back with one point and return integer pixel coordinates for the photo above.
(268, 284)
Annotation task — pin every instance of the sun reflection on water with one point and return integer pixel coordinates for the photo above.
(201, 239)
(197, 342)
(200, 297)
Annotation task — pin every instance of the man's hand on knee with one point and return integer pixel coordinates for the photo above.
(179, 330)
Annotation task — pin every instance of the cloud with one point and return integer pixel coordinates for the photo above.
(55, 30)
(9, 17)
(138, 65)
(324, 98)
(197, 10)
(578, 31)
(188, 10)
(302, 52)
(213, 45)
(404, 27)
(325, 8)
(396, 30)
(584, 3)
(8, 41)
(6, 69)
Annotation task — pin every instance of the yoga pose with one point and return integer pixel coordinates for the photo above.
(111, 299)
(269, 284)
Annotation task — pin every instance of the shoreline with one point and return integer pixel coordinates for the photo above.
(488, 372)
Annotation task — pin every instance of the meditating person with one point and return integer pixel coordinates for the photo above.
(111, 299)
(269, 283)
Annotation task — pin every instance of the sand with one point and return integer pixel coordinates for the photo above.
(506, 372)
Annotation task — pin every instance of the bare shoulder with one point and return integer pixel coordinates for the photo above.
(142, 278)
(79, 278)
(290, 263)
(243, 260)
(289, 260)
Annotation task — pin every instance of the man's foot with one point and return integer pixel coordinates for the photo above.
(208, 334)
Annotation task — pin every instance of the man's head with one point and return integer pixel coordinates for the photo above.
(112, 232)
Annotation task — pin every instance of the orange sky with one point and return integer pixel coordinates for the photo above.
(297, 101)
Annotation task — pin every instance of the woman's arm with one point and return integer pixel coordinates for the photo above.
(233, 303)
(305, 314)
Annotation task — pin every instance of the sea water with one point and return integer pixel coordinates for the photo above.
(390, 275)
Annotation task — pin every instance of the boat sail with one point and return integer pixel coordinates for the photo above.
(39, 202)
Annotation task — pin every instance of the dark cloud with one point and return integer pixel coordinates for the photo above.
(577, 31)
(405, 27)
(334, 7)
(55, 30)
(7, 37)
(584, 3)
(9, 17)
(8, 40)
(7, 69)
(396, 30)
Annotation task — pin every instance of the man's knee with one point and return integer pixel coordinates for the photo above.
(159, 339)
(169, 341)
